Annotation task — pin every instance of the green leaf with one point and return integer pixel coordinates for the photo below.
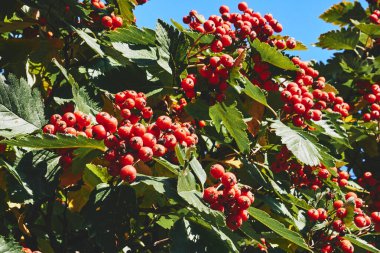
(90, 41)
(232, 119)
(198, 170)
(370, 29)
(278, 228)
(255, 92)
(95, 174)
(48, 141)
(126, 8)
(172, 47)
(187, 189)
(82, 100)
(304, 146)
(361, 243)
(332, 126)
(83, 156)
(272, 55)
(21, 108)
(180, 154)
(198, 109)
(344, 38)
(38, 171)
(188, 236)
(171, 167)
(9, 245)
(341, 13)
(133, 35)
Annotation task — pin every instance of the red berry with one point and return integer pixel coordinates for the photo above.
(124, 132)
(242, 6)
(217, 171)
(243, 202)
(128, 173)
(117, 22)
(234, 222)
(163, 123)
(223, 9)
(145, 154)
(313, 214)
(107, 21)
(138, 129)
(350, 194)
(136, 142)
(229, 179)
(322, 214)
(127, 159)
(360, 221)
(341, 212)
(210, 195)
(99, 132)
(69, 118)
(339, 226)
(159, 150)
(49, 129)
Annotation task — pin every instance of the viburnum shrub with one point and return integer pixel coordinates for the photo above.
(214, 137)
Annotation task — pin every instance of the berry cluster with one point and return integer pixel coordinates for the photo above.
(216, 72)
(343, 213)
(77, 124)
(112, 22)
(129, 140)
(305, 99)
(371, 184)
(228, 197)
(250, 24)
(375, 17)
(373, 99)
(306, 176)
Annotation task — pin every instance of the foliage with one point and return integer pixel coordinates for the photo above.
(303, 137)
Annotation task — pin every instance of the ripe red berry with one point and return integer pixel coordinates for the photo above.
(145, 154)
(360, 221)
(217, 171)
(159, 150)
(210, 195)
(243, 202)
(234, 222)
(346, 246)
(313, 214)
(49, 129)
(99, 132)
(341, 212)
(163, 123)
(338, 225)
(107, 21)
(138, 129)
(322, 214)
(136, 142)
(128, 173)
(117, 22)
(223, 9)
(69, 118)
(242, 6)
(350, 194)
(126, 159)
(229, 179)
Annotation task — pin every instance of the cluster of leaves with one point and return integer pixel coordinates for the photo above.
(46, 208)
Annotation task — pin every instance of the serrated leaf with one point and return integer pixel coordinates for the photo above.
(232, 119)
(198, 170)
(126, 8)
(9, 245)
(370, 29)
(171, 167)
(38, 171)
(172, 47)
(278, 228)
(133, 35)
(187, 189)
(189, 236)
(59, 141)
(90, 41)
(361, 243)
(95, 174)
(344, 38)
(272, 55)
(341, 13)
(21, 108)
(304, 146)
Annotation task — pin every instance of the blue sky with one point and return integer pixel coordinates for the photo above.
(299, 18)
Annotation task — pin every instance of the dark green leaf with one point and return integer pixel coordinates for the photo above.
(48, 141)
(278, 228)
(361, 243)
(133, 35)
(304, 146)
(21, 108)
(272, 55)
(90, 41)
(339, 39)
(232, 119)
(370, 29)
(8, 245)
(341, 13)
